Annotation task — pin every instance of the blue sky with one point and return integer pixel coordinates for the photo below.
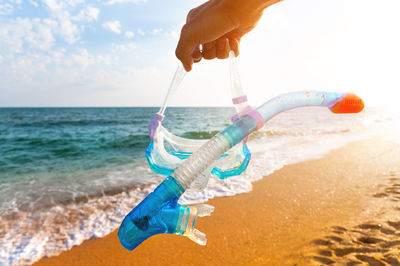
(121, 52)
(52, 52)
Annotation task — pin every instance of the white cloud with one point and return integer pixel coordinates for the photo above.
(41, 37)
(140, 32)
(6, 9)
(19, 33)
(69, 27)
(156, 31)
(129, 34)
(58, 56)
(47, 79)
(84, 59)
(32, 63)
(68, 30)
(33, 33)
(12, 35)
(172, 34)
(88, 14)
(81, 59)
(121, 48)
(35, 4)
(8, 6)
(114, 26)
(112, 2)
(92, 13)
(59, 10)
(53, 5)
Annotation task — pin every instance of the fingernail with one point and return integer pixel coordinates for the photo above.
(196, 56)
(197, 59)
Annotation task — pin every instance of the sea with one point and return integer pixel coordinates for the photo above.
(72, 174)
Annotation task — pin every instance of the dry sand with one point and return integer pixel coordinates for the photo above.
(340, 209)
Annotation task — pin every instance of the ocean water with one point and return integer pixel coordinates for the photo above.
(71, 174)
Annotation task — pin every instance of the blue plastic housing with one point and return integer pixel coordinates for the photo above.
(158, 213)
(235, 171)
(221, 174)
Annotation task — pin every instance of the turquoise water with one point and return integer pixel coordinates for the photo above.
(37, 140)
(59, 144)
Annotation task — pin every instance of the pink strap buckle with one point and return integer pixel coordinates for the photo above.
(257, 117)
(240, 99)
(153, 125)
(253, 113)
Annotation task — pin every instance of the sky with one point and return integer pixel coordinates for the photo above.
(122, 53)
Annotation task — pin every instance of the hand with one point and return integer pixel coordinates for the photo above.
(218, 26)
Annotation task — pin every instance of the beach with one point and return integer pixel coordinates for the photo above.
(72, 174)
(343, 208)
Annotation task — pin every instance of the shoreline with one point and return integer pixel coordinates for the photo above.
(284, 219)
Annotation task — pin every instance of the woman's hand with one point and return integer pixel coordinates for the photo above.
(218, 26)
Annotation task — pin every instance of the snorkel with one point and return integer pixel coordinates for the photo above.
(160, 212)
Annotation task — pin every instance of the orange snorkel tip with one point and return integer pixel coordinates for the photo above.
(351, 103)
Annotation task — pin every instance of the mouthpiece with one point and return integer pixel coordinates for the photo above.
(160, 213)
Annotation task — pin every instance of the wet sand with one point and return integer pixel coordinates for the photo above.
(344, 208)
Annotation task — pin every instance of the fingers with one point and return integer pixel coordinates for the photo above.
(197, 54)
(234, 45)
(188, 52)
(209, 50)
(217, 49)
(222, 48)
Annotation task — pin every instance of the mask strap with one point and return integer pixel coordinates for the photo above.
(239, 99)
(176, 81)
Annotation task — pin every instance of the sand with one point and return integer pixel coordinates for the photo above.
(341, 209)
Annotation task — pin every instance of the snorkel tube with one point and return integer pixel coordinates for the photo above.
(160, 212)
